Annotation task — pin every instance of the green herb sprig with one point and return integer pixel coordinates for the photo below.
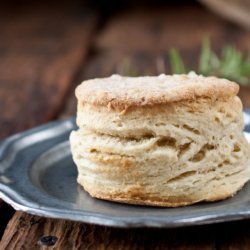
(176, 62)
(126, 68)
(230, 64)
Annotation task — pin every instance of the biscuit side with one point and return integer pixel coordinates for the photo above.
(165, 155)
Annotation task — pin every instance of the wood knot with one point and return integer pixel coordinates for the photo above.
(47, 240)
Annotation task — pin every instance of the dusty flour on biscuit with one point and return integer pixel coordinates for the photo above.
(168, 154)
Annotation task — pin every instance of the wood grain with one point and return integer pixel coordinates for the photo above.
(41, 50)
(244, 94)
(25, 232)
(157, 29)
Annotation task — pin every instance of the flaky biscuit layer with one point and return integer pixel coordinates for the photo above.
(171, 154)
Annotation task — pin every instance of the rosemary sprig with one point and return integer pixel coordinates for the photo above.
(126, 68)
(230, 64)
(176, 62)
(205, 57)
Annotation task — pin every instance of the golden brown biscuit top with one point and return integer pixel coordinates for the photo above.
(118, 92)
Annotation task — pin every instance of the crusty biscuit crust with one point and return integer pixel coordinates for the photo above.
(158, 202)
(118, 93)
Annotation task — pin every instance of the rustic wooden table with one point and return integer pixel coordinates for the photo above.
(45, 51)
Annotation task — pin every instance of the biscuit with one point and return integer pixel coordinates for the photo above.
(163, 141)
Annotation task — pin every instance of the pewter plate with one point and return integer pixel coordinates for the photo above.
(38, 176)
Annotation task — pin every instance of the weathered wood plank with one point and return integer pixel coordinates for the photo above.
(27, 232)
(42, 48)
(41, 51)
(155, 30)
(244, 94)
